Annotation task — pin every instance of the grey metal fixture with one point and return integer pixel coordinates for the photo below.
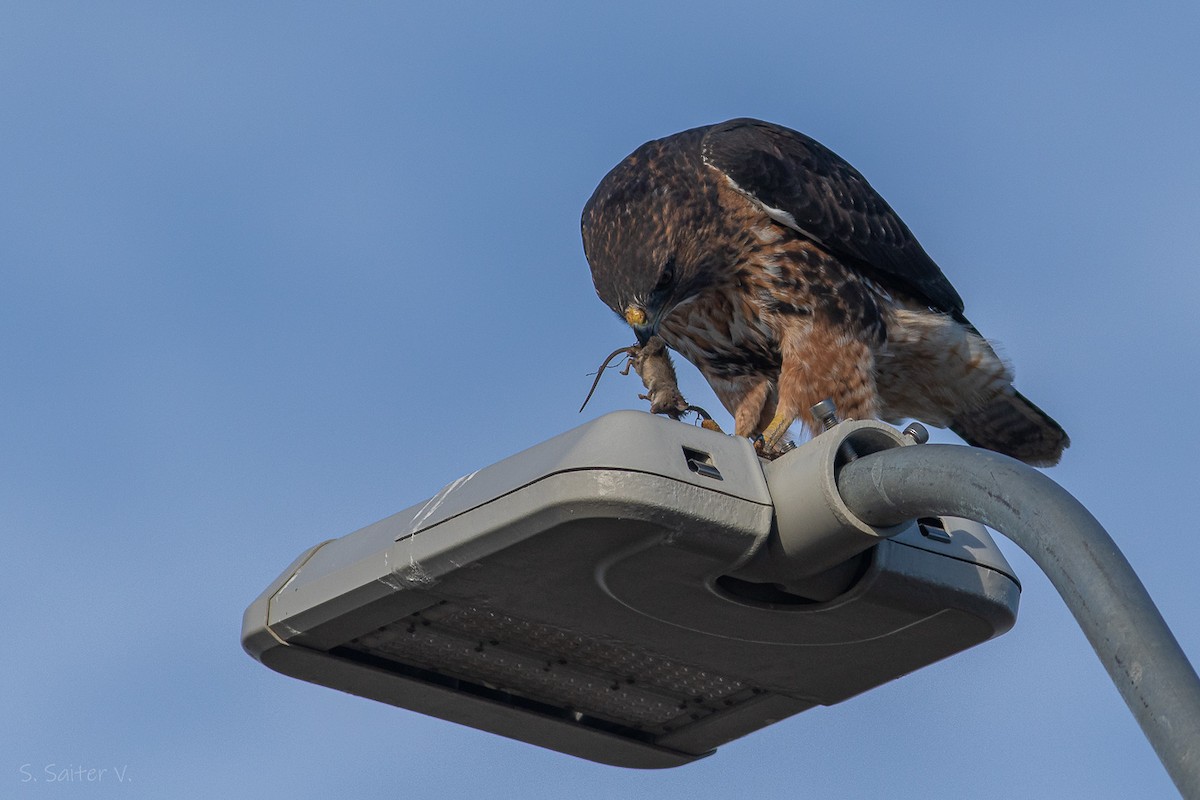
(635, 591)
(639, 591)
(1109, 602)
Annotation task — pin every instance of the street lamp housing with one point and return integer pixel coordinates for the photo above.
(632, 592)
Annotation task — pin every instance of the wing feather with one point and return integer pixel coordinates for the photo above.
(806, 186)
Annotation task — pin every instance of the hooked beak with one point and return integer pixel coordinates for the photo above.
(640, 322)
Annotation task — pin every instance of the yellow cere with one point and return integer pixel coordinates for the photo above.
(635, 316)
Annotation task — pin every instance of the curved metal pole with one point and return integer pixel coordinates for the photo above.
(1108, 600)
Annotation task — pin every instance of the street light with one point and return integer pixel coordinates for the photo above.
(637, 592)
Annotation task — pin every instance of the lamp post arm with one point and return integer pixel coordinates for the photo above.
(1081, 560)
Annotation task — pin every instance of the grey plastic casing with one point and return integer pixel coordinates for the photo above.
(637, 530)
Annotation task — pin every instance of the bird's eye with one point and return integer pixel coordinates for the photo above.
(666, 278)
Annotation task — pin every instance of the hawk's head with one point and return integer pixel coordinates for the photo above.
(648, 232)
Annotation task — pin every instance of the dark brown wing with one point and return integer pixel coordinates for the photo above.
(807, 186)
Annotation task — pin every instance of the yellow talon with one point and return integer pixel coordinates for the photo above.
(776, 433)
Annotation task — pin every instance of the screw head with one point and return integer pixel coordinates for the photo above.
(917, 432)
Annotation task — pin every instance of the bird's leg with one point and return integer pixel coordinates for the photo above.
(753, 403)
(774, 436)
(820, 365)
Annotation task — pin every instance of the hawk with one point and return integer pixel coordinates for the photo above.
(770, 263)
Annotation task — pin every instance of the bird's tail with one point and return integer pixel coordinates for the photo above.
(1012, 425)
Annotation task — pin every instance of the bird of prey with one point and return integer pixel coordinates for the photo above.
(770, 263)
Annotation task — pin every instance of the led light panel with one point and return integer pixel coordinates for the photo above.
(605, 680)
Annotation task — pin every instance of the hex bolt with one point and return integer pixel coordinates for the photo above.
(826, 413)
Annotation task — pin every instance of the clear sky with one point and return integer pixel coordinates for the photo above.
(271, 272)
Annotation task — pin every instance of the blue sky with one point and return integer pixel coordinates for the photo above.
(271, 272)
